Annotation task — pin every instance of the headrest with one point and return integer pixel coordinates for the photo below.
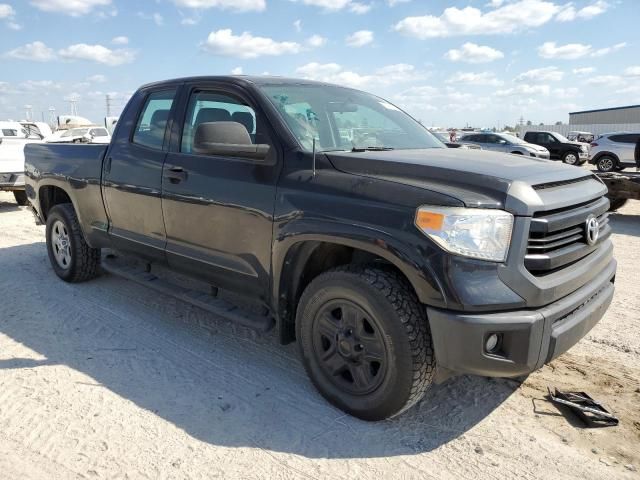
(212, 115)
(159, 119)
(245, 118)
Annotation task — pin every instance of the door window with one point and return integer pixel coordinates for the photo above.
(152, 123)
(625, 138)
(208, 107)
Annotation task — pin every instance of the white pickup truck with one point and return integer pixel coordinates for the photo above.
(13, 138)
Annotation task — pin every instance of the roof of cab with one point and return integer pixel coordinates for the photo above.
(239, 80)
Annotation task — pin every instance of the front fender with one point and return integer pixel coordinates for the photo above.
(295, 244)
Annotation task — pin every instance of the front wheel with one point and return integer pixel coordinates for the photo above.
(365, 342)
(21, 197)
(606, 164)
(570, 158)
(71, 257)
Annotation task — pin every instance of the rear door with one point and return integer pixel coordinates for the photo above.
(132, 177)
(495, 143)
(218, 210)
(625, 147)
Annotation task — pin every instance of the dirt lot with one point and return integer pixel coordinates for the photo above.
(108, 380)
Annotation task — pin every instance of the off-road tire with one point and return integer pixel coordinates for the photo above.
(85, 261)
(387, 296)
(21, 197)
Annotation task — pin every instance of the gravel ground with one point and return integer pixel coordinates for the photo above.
(108, 380)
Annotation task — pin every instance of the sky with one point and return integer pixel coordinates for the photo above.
(481, 63)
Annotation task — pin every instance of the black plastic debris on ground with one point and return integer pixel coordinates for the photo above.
(591, 412)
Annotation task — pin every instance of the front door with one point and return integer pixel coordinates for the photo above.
(133, 179)
(218, 209)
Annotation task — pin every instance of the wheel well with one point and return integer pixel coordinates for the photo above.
(49, 197)
(304, 263)
(606, 154)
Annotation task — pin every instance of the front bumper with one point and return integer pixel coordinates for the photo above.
(529, 338)
(11, 181)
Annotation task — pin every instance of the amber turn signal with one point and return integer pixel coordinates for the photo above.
(429, 220)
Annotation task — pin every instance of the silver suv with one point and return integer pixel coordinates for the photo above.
(614, 151)
(507, 143)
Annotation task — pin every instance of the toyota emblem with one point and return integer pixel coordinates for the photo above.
(592, 230)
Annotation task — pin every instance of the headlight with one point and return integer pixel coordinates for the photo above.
(470, 232)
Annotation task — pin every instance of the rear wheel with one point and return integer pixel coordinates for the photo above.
(570, 158)
(21, 197)
(606, 164)
(71, 257)
(364, 341)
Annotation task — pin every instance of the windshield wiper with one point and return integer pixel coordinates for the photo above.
(371, 149)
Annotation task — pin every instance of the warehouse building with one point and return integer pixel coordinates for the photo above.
(617, 115)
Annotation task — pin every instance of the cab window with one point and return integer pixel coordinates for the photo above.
(152, 123)
(210, 106)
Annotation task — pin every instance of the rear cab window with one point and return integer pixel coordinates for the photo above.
(152, 122)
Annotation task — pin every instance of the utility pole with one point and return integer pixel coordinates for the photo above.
(108, 99)
(73, 103)
(28, 111)
(52, 116)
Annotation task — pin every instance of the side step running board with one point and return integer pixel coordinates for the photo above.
(216, 306)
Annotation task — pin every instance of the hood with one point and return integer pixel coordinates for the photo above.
(478, 178)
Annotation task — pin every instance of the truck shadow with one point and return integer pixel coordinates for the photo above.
(219, 382)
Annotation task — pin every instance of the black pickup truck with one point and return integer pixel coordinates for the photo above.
(393, 261)
(560, 147)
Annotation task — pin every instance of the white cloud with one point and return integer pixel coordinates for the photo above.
(472, 53)
(583, 70)
(546, 74)
(316, 41)
(236, 71)
(6, 11)
(606, 81)
(237, 5)
(75, 8)
(120, 41)
(225, 43)
(512, 17)
(335, 73)
(524, 89)
(359, 8)
(472, 78)
(570, 13)
(31, 85)
(97, 79)
(336, 5)
(36, 51)
(632, 71)
(573, 51)
(157, 18)
(298, 25)
(359, 38)
(97, 53)
(393, 3)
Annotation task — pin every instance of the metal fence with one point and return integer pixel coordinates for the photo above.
(596, 129)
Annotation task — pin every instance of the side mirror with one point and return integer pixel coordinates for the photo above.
(227, 139)
(502, 142)
(87, 137)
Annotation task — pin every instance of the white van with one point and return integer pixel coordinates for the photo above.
(13, 138)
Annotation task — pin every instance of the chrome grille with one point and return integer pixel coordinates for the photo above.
(557, 238)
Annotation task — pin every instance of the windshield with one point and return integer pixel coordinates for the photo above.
(512, 138)
(560, 138)
(345, 119)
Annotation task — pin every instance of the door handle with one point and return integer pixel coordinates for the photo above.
(176, 175)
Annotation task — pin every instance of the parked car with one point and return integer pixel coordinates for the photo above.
(506, 143)
(582, 137)
(13, 138)
(394, 262)
(81, 135)
(614, 151)
(444, 138)
(560, 147)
